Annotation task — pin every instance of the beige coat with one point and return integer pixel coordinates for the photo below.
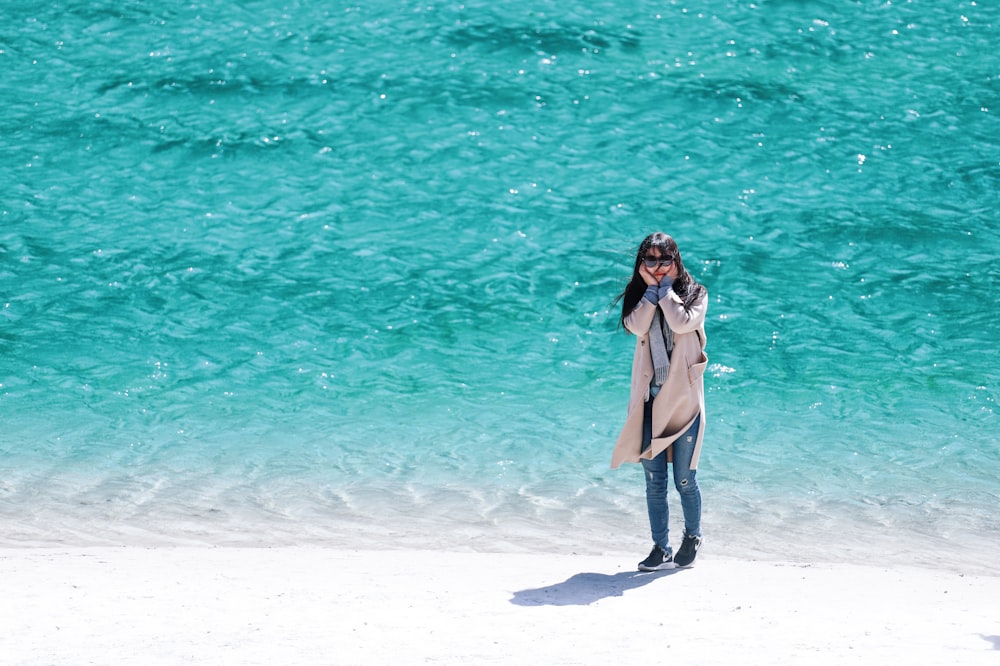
(682, 397)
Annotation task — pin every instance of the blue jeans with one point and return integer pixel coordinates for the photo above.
(684, 480)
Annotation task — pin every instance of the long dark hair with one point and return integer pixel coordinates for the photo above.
(686, 286)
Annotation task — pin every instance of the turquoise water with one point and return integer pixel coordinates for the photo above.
(335, 274)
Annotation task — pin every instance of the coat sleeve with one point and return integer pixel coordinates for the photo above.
(679, 319)
(641, 318)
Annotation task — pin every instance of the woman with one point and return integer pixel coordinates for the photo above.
(664, 307)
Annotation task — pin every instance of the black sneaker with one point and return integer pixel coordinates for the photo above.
(688, 550)
(658, 559)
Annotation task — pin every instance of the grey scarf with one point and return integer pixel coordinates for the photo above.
(661, 344)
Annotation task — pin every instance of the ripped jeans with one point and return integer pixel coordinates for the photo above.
(655, 471)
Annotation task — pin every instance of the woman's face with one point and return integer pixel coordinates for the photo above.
(659, 263)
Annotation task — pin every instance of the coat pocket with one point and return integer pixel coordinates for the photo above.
(697, 370)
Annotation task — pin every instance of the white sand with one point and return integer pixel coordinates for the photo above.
(315, 606)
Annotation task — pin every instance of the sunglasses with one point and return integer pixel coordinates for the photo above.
(654, 262)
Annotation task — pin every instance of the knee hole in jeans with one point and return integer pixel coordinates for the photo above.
(687, 485)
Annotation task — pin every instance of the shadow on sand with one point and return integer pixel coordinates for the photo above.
(992, 639)
(586, 588)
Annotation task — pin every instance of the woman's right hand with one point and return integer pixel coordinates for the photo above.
(647, 276)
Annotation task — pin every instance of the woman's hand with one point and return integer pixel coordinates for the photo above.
(647, 276)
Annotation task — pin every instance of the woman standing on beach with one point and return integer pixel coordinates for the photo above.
(664, 307)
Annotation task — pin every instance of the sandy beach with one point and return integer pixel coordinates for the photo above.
(324, 606)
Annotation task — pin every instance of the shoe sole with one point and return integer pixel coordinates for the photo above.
(662, 567)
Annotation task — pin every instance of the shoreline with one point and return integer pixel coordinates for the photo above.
(622, 531)
(316, 605)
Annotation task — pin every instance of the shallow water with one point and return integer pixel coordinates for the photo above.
(293, 273)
